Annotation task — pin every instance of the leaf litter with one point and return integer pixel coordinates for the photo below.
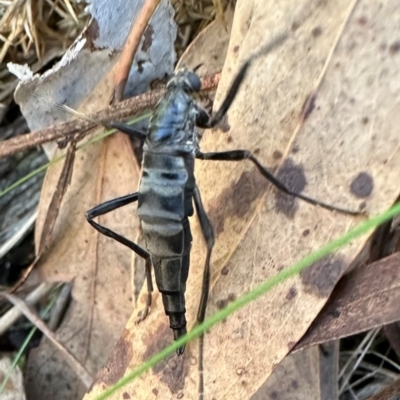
(101, 271)
(337, 62)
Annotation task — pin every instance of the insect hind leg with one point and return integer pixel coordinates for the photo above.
(239, 155)
(105, 208)
(208, 234)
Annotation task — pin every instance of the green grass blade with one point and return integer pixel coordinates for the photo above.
(242, 301)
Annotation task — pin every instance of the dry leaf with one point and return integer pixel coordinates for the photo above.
(296, 378)
(343, 151)
(366, 298)
(98, 266)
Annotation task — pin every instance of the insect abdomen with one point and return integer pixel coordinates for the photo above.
(165, 201)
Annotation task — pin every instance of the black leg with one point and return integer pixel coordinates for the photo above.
(127, 129)
(204, 120)
(238, 155)
(111, 205)
(208, 234)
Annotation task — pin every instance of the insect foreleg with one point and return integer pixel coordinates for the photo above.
(129, 130)
(206, 121)
(238, 155)
(111, 205)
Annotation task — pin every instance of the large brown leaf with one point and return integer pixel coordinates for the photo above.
(98, 267)
(341, 147)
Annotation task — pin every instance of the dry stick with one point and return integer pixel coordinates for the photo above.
(52, 212)
(54, 206)
(11, 316)
(59, 307)
(80, 370)
(124, 64)
(121, 111)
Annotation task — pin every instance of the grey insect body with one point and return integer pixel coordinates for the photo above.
(168, 191)
(166, 194)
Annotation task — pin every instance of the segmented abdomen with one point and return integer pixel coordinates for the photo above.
(165, 202)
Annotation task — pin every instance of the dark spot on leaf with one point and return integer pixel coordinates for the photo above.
(236, 49)
(306, 232)
(154, 391)
(231, 296)
(256, 151)
(147, 38)
(317, 31)
(362, 206)
(119, 360)
(394, 47)
(308, 105)
(172, 368)
(295, 384)
(126, 396)
(225, 271)
(292, 293)
(229, 139)
(237, 200)
(155, 343)
(365, 120)
(277, 155)
(222, 303)
(321, 277)
(362, 185)
(173, 375)
(295, 149)
(362, 21)
(295, 26)
(274, 395)
(224, 125)
(335, 313)
(293, 177)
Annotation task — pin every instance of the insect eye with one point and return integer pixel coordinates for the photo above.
(193, 82)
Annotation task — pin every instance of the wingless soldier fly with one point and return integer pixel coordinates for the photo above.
(168, 190)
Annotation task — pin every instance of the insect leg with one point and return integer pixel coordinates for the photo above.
(208, 234)
(238, 155)
(206, 121)
(111, 205)
(138, 134)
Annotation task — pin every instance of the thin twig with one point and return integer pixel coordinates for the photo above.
(11, 316)
(124, 64)
(79, 369)
(118, 112)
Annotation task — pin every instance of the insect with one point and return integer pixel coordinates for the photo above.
(168, 190)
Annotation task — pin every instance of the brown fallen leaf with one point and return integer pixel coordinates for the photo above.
(99, 268)
(390, 392)
(364, 299)
(298, 377)
(342, 149)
